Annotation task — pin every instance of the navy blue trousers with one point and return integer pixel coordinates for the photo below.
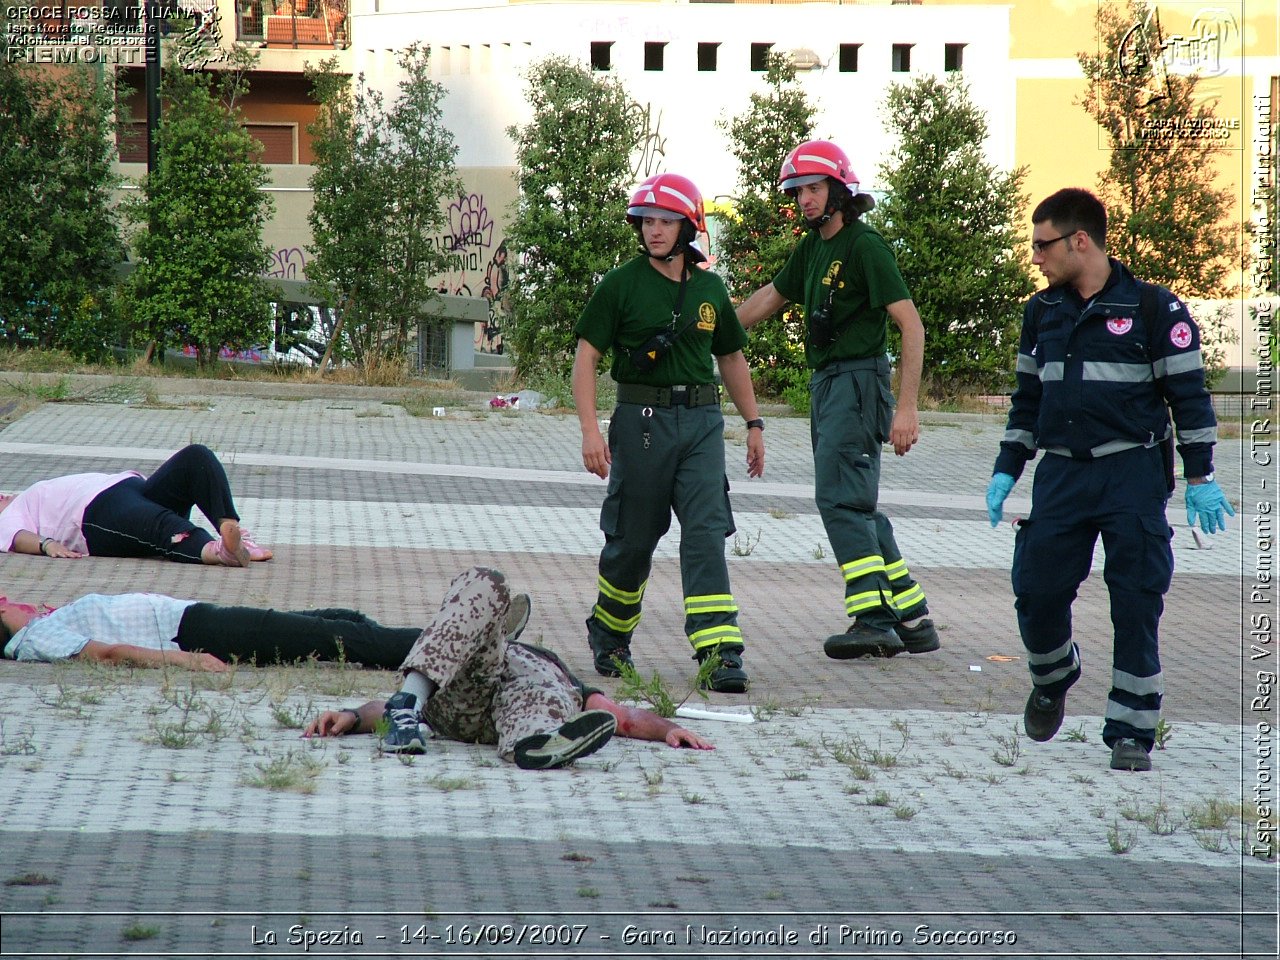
(1121, 497)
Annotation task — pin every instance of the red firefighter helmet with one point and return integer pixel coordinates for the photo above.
(669, 196)
(815, 160)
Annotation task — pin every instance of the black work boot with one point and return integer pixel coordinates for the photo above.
(863, 640)
(728, 676)
(609, 655)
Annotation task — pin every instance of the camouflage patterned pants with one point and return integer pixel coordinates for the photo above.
(489, 691)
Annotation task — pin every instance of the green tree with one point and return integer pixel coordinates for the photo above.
(382, 174)
(764, 228)
(201, 253)
(951, 217)
(61, 237)
(569, 224)
(1166, 219)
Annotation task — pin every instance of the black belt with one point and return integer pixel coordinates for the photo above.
(698, 395)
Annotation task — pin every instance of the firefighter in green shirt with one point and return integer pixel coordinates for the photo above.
(664, 318)
(846, 277)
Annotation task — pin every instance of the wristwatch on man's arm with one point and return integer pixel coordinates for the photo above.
(756, 424)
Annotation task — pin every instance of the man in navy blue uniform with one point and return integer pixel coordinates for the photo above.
(1103, 360)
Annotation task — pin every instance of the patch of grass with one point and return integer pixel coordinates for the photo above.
(880, 798)
(292, 772)
(1164, 733)
(818, 552)
(795, 775)
(780, 514)
(139, 931)
(590, 893)
(1214, 813)
(1076, 736)
(450, 784)
(573, 856)
(692, 798)
(904, 812)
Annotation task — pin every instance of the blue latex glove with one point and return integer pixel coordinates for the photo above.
(1210, 504)
(997, 491)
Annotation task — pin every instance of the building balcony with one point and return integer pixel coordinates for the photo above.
(293, 24)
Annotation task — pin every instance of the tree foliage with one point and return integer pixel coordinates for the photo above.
(382, 175)
(61, 237)
(569, 225)
(202, 210)
(1165, 218)
(951, 217)
(764, 228)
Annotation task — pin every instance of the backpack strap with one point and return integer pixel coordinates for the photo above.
(1149, 305)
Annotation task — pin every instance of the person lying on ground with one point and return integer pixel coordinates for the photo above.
(468, 678)
(152, 630)
(131, 515)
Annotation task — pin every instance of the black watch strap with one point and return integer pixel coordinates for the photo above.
(758, 423)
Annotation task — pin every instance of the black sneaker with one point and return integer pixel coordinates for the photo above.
(861, 640)
(576, 737)
(609, 661)
(517, 617)
(922, 638)
(729, 676)
(1043, 715)
(1130, 754)
(404, 733)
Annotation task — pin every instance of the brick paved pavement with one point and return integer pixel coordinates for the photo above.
(782, 829)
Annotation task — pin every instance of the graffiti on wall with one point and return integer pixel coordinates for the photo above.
(651, 146)
(288, 263)
(476, 269)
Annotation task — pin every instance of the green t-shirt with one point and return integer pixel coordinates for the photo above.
(634, 302)
(869, 282)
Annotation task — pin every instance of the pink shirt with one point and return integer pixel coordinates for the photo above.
(55, 508)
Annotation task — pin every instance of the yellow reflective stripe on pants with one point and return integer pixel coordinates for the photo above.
(713, 636)
(857, 602)
(862, 567)
(621, 596)
(613, 623)
(711, 603)
(908, 598)
(896, 570)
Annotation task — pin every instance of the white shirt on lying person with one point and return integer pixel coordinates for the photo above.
(142, 619)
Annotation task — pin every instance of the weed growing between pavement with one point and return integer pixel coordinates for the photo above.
(293, 716)
(1009, 749)
(1076, 736)
(744, 547)
(1121, 839)
(292, 771)
(780, 514)
(654, 693)
(17, 741)
(1164, 731)
(139, 931)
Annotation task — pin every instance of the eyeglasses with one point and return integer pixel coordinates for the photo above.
(1037, 246)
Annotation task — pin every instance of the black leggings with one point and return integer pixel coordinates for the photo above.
(148, 518)
(271, 636)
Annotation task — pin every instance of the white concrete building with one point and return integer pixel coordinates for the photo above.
(687, 66)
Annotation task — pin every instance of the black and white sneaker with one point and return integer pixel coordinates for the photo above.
(404, 730)
(576, 737)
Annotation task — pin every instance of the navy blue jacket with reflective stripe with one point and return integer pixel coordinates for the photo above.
(1093, 379)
